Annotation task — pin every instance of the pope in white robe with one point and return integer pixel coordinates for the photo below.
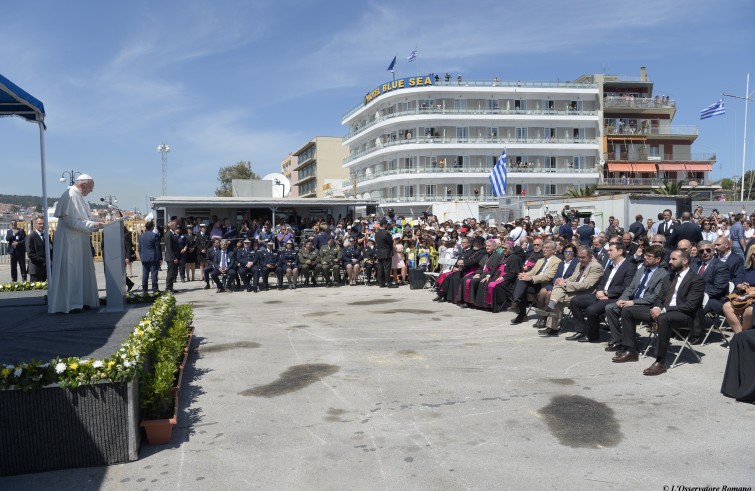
(73, 284)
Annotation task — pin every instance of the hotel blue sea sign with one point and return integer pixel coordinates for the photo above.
(402, 83)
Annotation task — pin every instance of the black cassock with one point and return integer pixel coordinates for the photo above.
(503, 291)
(453, 284)
(739, 376)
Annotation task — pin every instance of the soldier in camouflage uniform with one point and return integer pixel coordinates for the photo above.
(310, 265)
(330, 261)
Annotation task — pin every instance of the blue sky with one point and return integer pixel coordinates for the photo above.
(222, 81)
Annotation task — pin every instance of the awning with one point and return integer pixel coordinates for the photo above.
(699, 167)
(672, 167)
(614, 167)
(648, 168)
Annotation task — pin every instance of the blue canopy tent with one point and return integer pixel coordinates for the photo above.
(15, 101)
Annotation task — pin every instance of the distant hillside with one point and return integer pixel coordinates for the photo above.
(27, 201)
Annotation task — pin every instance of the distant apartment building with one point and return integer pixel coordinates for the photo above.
(287, 169)
(318, 161)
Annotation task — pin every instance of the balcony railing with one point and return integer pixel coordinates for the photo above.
(663, 131)
(638, 102)
(643, 156)
(439, 109)
(628, 181)
(469, 141)
(450, 169)
(448, 197)
(497, 83)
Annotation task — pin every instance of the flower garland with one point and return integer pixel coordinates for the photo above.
(23, 286)
(74, 371)
(137, 297)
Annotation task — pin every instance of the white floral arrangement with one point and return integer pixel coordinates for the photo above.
(74, 371)
(23, 286)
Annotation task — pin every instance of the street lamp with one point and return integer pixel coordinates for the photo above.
(279, 183)
(72, 175)
(164, 149)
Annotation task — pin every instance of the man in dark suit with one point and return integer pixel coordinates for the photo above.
(630, 247)
(16, 239)
(637, 228)
(585, 232)
(716, 276)
(588, 308)
(736, 265)
(688, 230)
(35, 249)
(384, 248)
(172, 255)
(633, 306)
(564, 230)
(150, 255)
(666, 226)
(684, 298)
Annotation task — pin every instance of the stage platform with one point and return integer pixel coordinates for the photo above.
(28, 332)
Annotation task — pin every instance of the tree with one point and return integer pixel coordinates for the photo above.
(727, 183)
(588, 190)
(239, 170)
(671, 189)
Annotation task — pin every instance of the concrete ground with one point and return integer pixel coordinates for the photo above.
(368, 388)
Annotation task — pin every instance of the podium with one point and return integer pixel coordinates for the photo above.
(115, 266)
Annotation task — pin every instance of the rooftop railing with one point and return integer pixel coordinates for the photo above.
(439, 109)
(454, 83)
(628, 181)
(468, 141)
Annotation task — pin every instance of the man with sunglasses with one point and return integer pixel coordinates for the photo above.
(716, 276)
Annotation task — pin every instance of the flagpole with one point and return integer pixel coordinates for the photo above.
(744, 145)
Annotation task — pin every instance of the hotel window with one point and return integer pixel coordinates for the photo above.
(549, 189)
(550, 133)
(579, 162)
(549, 162)
(654, 151)
(492, 105)
(409, 191)
(462, 133)
(549, 105)
(492, 133)
(520, 105)
(460, 104)
(521, 134)
(579, 133)
(429, 189)
(409, 163)
(460, 190)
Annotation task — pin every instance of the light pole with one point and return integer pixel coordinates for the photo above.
(72, 175)
(164, 149)
(747, 99)
(282, 185)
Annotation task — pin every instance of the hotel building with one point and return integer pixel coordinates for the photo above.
(422, 143)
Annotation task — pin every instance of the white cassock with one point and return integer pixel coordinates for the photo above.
(73, 284)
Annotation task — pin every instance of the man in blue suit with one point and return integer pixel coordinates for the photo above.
(150, 256)
(736, 264)
(716, 276)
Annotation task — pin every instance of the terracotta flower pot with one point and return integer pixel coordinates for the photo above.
(160, 431)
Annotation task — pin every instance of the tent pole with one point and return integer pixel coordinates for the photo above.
(48, 265)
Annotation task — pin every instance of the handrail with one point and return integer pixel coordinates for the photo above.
(498, 141)
(644, 157)
(450, 169)
(466, 112)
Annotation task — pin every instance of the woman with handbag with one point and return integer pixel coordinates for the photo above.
(741, 300)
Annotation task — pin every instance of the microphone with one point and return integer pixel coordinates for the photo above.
(112, 207)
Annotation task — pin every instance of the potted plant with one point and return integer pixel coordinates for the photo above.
(162, 380)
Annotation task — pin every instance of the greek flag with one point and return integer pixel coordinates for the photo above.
(498, 175)
(392, 65)
(412, 55)
(716, 109)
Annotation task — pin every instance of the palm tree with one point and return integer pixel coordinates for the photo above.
(671, 189)
(589, 190)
